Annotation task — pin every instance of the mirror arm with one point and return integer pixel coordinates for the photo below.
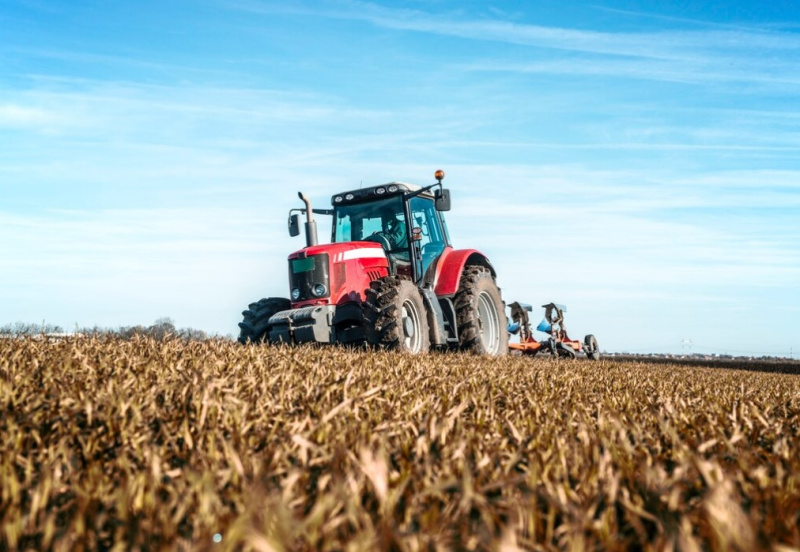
(315, 211)
(422, 190)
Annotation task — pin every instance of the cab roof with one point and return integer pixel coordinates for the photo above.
(376, 192)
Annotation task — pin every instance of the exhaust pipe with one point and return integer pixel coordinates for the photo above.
(311, 225)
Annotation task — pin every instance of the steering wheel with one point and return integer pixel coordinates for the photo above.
(379, 238)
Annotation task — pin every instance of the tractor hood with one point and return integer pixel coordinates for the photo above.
(335, 273)
(342, 251)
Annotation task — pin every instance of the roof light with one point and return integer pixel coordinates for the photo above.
(348, 197)
(439, 175)
(392, 189)
(380, 191)
(337, 199)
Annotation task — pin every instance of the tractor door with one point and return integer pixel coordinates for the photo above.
(431, 232)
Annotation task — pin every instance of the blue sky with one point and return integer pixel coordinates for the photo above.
(637, 161)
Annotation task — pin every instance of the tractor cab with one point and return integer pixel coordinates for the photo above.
(406, 221)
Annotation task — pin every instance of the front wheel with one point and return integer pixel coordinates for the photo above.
(254, 328)
(395, 316)
(480, 313)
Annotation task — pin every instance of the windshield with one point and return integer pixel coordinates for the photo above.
(383, 222)
(364, 220)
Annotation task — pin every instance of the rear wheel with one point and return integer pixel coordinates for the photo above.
(480, 313)
(592, 349)
(395, 316)
(255, 326)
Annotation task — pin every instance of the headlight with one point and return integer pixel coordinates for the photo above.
(295, 294)
(319, 290)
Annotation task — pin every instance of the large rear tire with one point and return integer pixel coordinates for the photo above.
(480, 313)
(395, 316)
(592, 349)
(255, 326)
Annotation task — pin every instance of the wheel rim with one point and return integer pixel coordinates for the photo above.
(411, 327)
(489, 323)
(593, 353)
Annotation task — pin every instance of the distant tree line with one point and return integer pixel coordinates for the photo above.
(160, 329)
(25, 328)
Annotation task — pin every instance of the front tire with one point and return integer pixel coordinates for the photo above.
(255, 326)
(480, 313)
(395, 316)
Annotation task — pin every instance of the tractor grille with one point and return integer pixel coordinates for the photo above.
(307, 273)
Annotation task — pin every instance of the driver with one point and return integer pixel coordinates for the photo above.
(394, 229)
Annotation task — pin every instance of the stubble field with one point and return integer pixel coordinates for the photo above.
(142, 444)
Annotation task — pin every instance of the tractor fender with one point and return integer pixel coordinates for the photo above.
(451, 265)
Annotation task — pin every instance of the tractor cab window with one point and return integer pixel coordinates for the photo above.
(382, 221)
(445, 232)
(432, 240)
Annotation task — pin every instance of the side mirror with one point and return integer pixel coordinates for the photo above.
(442, 196)
(294, 225)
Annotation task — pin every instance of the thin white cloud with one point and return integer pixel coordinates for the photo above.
(700, 71)
(21, 116)
(714, 54)
(678, 45)
(704, 23)
(614, 146)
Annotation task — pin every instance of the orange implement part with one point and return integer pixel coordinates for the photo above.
(532, 347)
(574, 344)
(527, 348)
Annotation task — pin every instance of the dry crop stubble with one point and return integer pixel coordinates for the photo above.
(148, 444)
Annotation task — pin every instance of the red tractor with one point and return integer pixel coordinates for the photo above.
(390, 278)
